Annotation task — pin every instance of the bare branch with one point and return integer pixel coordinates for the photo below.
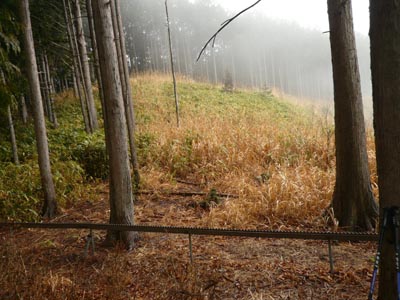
(223, 25)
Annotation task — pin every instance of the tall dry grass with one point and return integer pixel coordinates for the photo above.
(277, 155)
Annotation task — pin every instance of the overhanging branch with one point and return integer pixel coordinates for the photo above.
(223, 25)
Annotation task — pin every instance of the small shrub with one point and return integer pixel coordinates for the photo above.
(20, 192)
(92, 156)
(21, 195)
(144, 143)
(68, 178)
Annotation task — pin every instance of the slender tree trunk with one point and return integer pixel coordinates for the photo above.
(353, 202)
(95, 51)
(172, 66)
(85, 66)
(214, 66)
(75, 84)
(12, 137)
(121, 197)
(42, 84)
(77, 66)
(24, 110)
(50, 204)
(51, 90)
(118, 46)
(47, 91)
(129, 111)
(385, 67)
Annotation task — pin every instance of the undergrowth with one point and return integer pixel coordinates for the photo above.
(277, 156)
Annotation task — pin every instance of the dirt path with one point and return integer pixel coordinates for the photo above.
(48, 264)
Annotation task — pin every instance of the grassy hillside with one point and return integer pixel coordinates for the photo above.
(277, 156)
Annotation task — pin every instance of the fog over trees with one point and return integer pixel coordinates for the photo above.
(257, 51)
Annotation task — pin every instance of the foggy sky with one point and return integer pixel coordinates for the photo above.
(310, 13)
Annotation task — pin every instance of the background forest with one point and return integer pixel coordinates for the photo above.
(256, 51)
(253, 134)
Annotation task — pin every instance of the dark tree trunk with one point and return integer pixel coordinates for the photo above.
(24, 110)
(353, 202)
(121, 197)
(12, 137)
(75, 84)
(85, 66)
(95, 51)
(50, 204)
(385, 66)
(77, 66)
(129, 111)
(50, 91)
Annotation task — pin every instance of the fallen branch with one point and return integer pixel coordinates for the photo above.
(186, 193)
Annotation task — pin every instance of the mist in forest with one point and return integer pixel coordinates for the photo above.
(256, 51)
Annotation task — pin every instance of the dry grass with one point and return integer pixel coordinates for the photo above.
(278, 156)
(44, 265)
(279, 159)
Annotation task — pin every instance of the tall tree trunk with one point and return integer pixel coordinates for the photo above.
(121, 197)
(85, 66)
(385, 66)
(50, 204)
(75, 84)
(214, 66)
(129, 111)
(172, 66)
(118, 46)
(353, 202)
(50, 89)
(47, 91)
(95, 51)
(77, 66)
(12, 137)
(24, 110)
(43, 91)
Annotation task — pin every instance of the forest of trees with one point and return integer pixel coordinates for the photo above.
(79, 44)
(257, 51)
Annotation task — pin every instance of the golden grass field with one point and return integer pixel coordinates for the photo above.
(277, 155)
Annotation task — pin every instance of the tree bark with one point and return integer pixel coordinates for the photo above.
(172, 66)
(385, 67)
(46, 92)
(77, 66)
(50, 204)
(75, 84)
(129, 111)
(85, 66)
(50, 91)
(95, 51)
(43, 91)
(12, 137)
(121, 197)
(24, 110)
(353, 202)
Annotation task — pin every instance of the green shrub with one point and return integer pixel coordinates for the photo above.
(92, 156)
(21, 196)
(68, 177)
(20, 191)
(145, 144)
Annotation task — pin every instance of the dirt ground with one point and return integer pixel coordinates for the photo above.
(50, 264)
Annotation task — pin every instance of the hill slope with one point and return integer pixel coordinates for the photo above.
(275, 156)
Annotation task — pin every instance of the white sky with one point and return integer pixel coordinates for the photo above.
(307, 13)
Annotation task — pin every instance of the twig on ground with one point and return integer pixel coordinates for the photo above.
(186, 193)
